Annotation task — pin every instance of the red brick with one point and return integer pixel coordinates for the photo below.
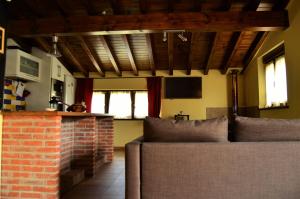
(32, 168)
(46, 124)
(21, 123)
(11, 130)
(33, 143)
(10, 167)
(21, 188)
(31, 195)
(24, 175)
(45, 189)
(33, 130)
(21, 162)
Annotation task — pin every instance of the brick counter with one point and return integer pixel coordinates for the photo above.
(39, 146)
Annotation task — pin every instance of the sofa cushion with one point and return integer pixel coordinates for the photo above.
(164, 130)
(264, 129)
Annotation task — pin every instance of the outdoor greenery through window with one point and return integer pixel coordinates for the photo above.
(121, 104)
(275, 75)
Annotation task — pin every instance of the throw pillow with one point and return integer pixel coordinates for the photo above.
(164, 130)
(264, 129)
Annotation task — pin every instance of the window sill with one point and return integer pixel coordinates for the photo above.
(274, 107)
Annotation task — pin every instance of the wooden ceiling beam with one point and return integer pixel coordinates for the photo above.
(150, 54)
(130, 55)
(170, 52)
(145, 23)
(88, 52)
(110, 54)
(67, 50)
(212, 50)
(257, 42)
(42, 43)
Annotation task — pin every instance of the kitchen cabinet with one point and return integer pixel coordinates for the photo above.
(51, 71)
(22, 65)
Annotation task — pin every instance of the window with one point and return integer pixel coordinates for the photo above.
(275, 76)
(121, 104)
(98, 102)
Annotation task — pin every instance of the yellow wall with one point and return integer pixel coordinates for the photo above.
(216, 92)
(254, 92)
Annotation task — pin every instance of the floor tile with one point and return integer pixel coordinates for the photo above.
(108, 183)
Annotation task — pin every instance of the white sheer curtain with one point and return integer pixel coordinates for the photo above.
(120, 104)
(280, 80)
(98, 102)
(276, 83)
(141, 104)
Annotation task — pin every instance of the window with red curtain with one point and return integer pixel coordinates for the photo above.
(154, 96)
(84, 92)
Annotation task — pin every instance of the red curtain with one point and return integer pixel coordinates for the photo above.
(154, 96)
(84, 92)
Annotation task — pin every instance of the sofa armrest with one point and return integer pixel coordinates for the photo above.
(132, 171)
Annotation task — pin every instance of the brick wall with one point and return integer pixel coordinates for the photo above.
(84, 154)
(37, 149)
(67, 144)
(30, 156)
(105, 137)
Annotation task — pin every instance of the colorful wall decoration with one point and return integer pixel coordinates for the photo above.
(11, 100)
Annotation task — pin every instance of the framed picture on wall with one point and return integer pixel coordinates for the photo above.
(2, 34)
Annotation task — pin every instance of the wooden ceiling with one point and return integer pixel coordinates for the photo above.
(127, 35)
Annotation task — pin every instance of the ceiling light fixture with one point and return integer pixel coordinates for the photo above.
(180, 35)
(54, 50)
(165, 37)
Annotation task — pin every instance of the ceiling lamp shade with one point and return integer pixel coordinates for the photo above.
(54, 50)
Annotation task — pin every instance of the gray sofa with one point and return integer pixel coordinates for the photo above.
(214, 170)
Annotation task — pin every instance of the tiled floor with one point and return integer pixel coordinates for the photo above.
(109, 182)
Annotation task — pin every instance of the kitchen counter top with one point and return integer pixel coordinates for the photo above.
(54, 113)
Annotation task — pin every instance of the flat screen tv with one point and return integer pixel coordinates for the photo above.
(183, 87)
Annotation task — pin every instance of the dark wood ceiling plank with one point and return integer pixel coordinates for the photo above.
(143, 6)
(236, 38)
(171, 52)
(115, 6)
(212, 50)
(130, 55)
(170, 6)
(89, 7)
(257, 42)
(231, 49)
(88, 52)
(68, 52)
(125, 24)
(32, 7)
(280, 4)
(63, 8)
(190, 57)
(150, 54)
(110, 54)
